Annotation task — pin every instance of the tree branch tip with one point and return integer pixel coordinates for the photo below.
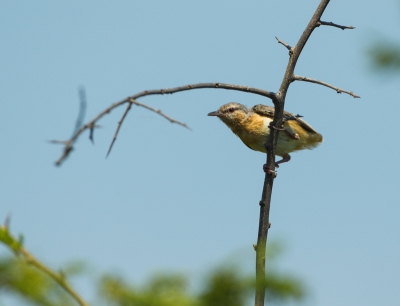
(320, 22)
(7, 222)
(57, 141)
(285, 44)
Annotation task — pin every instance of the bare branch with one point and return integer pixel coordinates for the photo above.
(279, 102)
(16, 246)
(337, 89)
(68, 144)
(335, 25)
(285, 44)
(118, 128)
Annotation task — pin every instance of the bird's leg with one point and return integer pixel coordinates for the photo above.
(285, 159)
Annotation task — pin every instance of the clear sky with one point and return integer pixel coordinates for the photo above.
(171, 199)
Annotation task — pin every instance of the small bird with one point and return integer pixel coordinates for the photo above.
(252, 126)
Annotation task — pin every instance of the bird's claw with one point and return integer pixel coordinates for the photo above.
(267, 170)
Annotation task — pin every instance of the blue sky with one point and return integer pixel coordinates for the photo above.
(170, 199)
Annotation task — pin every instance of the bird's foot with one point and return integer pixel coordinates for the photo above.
(267, 170)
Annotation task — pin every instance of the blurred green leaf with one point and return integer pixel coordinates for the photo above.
(385, 56)
(21, 280)
(161, 290)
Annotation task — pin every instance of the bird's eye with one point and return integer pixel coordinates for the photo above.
(231, 110)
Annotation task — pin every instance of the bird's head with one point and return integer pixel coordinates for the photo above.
(231, 113)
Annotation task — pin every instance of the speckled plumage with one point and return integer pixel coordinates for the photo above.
(251, 126)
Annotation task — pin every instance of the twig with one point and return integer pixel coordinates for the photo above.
(337, 89)
(20, 251)
(82, 109)
(68, 144)
(283, 43)
(132, 101)
(279, 103)
(335, 25)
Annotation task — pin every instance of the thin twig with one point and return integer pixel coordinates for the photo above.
(335, 25)
(283, 43)
(68, 144)
(337, 89)
(82, 109)
(21, 252)
(132, 101)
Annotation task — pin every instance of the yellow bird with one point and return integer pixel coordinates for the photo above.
(251, 125)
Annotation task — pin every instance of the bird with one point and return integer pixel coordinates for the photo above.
(252, 126)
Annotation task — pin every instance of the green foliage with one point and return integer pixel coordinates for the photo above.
(21, 280)
(224, 286)
(162, 290)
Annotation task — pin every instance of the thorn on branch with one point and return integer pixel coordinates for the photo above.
(334, 25)
(285, 44)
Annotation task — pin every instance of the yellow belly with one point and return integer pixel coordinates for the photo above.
(254, 133)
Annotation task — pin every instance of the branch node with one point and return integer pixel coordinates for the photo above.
(276, 128)
(261, 203)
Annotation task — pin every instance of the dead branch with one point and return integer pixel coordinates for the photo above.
(337, 89)
(91, 125)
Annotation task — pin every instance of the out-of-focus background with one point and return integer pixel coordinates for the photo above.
(171, 199)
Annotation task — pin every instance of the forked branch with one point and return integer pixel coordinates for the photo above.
(91, 125)
(279, 102)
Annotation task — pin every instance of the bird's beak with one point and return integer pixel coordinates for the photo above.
(216, 113)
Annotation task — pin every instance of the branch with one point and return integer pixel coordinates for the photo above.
(68, 144)
(335, 25)
(16, 246)
(132, 101)
(279, 102)
(337, 89)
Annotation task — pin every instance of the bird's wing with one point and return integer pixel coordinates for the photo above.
(269, 111)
